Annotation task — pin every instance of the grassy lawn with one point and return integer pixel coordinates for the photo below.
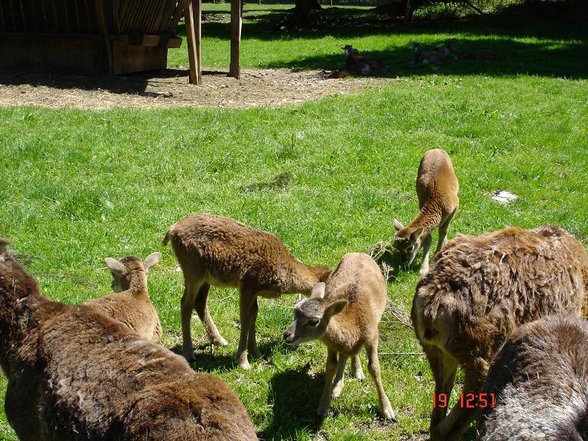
(78, 186)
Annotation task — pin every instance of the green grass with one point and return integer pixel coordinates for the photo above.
(77, 186)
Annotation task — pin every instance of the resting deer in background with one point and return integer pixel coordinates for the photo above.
(360, 64)
(436, 187)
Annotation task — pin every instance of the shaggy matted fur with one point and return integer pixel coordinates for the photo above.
(540, 380)
(479, 290)
(216, 250)
(75, 374)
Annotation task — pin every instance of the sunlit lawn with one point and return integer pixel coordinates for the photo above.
(77, 186)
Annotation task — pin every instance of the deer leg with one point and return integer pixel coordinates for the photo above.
(443, 228)
(252, 341)
(462, 413)
(444, 367)
(246, 301)
(339, 378)
(356, 368)
(201, 306)
(426, 247)
(323, 408)
(374, 369)
(186, 307)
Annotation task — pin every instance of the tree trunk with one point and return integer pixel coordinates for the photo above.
(303, 8)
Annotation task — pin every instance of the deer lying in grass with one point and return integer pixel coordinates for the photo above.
(75, 374)
(131, 304)
(426, 58)
(539, 379)
(436, 187)
(360, 64)
(344, 313)
(478, 292)
(216, 250)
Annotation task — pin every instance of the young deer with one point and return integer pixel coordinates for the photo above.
(436, 187)
(216, 250)
(130, 304)
(344, 313)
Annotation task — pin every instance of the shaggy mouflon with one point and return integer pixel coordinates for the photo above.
(480, 290)
(75, 374)
(539, 382)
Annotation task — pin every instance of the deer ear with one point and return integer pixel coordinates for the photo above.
(416, 234)
(151, 260)
(318, 291)
(115, 266)
(397, 225)
(335, 307)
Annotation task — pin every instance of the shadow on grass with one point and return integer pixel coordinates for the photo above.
(548, 20)
(206, 360)
(563, 54)
(387, 258)
(132, 83)
(546, 59)
(294, 395)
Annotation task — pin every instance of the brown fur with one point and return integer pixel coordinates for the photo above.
(437, 188)
(131, 304)
(360, 64)
(75, 374)
(480, 290)
(344, 313)
(423, 58)
(540, 381)
(216, 250)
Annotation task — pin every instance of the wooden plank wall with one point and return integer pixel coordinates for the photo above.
(80, 16)
(88, 36)
(48, 16)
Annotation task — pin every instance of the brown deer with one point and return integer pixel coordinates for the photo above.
(216, 250)
(437, 188)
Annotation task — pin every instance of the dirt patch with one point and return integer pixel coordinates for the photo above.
(170, 88)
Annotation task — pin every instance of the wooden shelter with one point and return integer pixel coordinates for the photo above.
(103, 36)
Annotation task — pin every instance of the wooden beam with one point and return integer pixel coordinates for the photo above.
(198, 26)
(104, 29)
(236, 19)
(148, 40)
(195, 68)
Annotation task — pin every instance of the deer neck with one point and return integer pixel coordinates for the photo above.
(428, 218)
(302, 278)
(138, 283)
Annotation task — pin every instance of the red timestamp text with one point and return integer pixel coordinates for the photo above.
(470, 400)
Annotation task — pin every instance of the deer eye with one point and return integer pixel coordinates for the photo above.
(313, 322)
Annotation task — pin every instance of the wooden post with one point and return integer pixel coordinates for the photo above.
(193, 36)
(198, 21)
(235, 69)
(99, 4)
